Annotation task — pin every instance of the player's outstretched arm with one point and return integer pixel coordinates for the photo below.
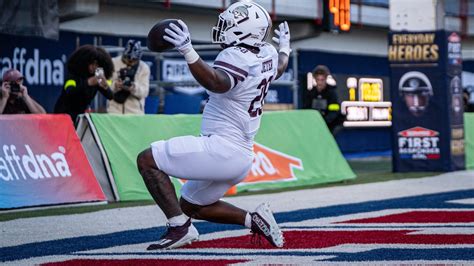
(212, 79)
(282, 38)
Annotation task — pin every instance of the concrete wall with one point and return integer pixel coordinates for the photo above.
(364, 41)
(122, 20)
(125, 20)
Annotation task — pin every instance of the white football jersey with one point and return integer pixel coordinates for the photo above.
(235, 115)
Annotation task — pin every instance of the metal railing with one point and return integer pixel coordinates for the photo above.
(157, 85)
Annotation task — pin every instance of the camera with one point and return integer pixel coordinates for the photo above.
(127, 75)
(14, 87)
(98, 73)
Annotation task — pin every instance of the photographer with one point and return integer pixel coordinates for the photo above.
(89, 69)
(14, 96)
(131, 81)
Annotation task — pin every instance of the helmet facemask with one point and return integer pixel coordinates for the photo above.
(417, 103)
(218, 31)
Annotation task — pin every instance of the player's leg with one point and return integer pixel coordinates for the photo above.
(223, 166)
(261, 221)
(228, 166)
(217, 212)
(212, 165)
(201, 200)
(180, 231)
(186, 157)
(158, 184)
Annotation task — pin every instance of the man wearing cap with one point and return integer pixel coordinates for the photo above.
(130, 81)
(14, 97)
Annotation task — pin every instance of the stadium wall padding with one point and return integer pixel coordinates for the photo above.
(43, 163)
(295, 148)
(469, 139)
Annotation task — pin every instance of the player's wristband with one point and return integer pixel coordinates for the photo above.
(285, 50)
(191, 56)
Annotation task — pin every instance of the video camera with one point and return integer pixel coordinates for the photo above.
(127, 75)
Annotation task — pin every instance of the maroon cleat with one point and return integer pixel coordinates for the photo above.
(264, 224)
(176, 236)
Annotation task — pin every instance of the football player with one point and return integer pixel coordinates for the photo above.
(222, 155)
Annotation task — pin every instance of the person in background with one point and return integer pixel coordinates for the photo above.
(322, 95)
(14, 97)
(130, 81)
(89, 68)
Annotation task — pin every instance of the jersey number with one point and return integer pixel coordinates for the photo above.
(263, 87)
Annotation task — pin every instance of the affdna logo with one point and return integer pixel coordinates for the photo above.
(15, 167)
(36, 71)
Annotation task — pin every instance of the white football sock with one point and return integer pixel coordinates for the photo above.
(178, 220)
(248, 220)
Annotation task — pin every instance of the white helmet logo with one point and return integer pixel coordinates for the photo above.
(240, 12)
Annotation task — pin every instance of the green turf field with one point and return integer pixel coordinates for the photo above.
(367, 171)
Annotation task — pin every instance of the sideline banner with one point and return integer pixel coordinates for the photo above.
(426, 94)
(292, 148)
(42, 162)
(469, 130)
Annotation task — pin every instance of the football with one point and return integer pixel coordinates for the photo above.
(155, 41)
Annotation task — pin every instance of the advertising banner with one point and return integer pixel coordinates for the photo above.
(455, 100)
(428, 132)
(42, 162)
(42, 63)
(292, 148)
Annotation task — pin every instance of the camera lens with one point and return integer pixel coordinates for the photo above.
(14, 87)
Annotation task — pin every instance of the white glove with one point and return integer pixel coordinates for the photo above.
(282, 38)
(181, 39)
